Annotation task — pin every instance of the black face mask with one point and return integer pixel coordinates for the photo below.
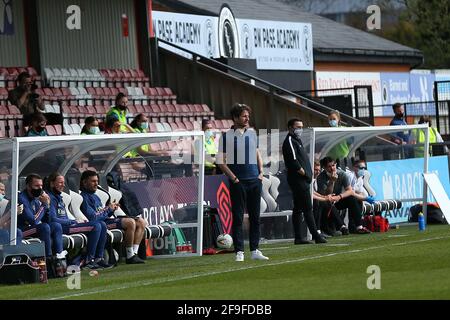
(123, 108)
(55, 191)
(400, 115)
(36, 192)
(40, 129)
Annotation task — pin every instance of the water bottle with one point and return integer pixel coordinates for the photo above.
(421, 220)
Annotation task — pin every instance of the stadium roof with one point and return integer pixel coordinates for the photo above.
(332, 41)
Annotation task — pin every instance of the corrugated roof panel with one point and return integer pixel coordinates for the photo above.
(13, 51)
(99, 43)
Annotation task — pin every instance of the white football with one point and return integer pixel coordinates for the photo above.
(224, 241)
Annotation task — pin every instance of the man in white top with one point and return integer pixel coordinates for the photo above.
(357, 181)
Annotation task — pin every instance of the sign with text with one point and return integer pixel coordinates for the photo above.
(394, 88)
(402, 179)
(192, 32)
(337, 79)
(276, 45)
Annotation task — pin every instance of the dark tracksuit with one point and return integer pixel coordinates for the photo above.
(35, 220)
(296, 158)
(95, 230)
(93, 209)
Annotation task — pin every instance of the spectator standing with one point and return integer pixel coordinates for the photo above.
(418, 137)
(210, 148)
(240, 159)
(340, 151)
(398, 120)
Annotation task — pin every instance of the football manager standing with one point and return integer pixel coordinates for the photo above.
(299, 177)
(240, 159)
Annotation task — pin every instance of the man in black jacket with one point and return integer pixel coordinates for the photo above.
(299, 178)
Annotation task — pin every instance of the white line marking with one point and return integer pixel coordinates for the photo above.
(207, 274)
(277, 248)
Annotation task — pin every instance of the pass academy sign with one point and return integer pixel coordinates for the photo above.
(275, 45)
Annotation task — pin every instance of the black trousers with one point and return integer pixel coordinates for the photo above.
(354, 210)
(317, 213)
(246, 194)
(301, 195)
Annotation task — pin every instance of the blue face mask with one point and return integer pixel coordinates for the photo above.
(94, 130)
(2, 196)
(361, 173)
(144, 125)
(333, 123)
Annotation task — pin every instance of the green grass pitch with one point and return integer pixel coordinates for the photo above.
(413, 265)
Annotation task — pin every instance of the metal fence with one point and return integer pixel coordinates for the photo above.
(354, 101)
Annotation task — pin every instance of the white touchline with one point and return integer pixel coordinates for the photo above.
(207, 274)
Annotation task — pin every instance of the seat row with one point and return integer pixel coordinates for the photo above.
(113, 78)
(8, 76)
(157, 113)
(92, 96)
(77, 77)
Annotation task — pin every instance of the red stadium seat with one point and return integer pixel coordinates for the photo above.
(152, 127)
(58, 129)
(51, 130)
(189, 125)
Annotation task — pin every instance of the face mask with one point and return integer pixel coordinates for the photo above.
(40, 129)
(144, 125)
(208, 134)
(400, 114)
(2, 196)
(333, 123)
(122, 107)
(94, 130)
(36, 192)
(361, 173)
(298, 132)
(329, 174)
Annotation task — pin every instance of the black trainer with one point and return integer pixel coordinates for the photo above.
(134, 260)
(102, 263)
(320, 239)
(92, 265)
(344, 230)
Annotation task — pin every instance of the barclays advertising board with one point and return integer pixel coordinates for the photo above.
(402, 179)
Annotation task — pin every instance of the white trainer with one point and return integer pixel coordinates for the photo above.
(257, 255)
(240, 256)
